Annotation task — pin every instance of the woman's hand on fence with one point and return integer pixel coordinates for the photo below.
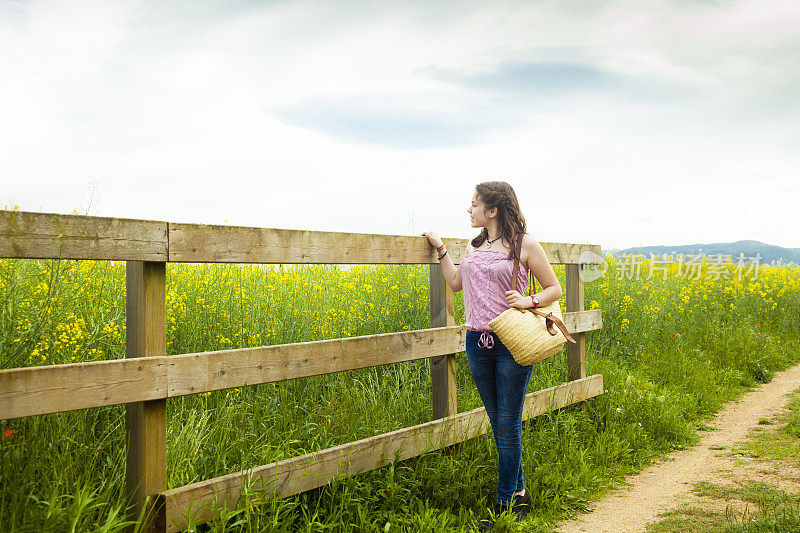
(433, 238)
(517, 300)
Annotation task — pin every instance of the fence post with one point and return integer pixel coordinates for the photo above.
(443, 369)
(576, 353)
(146, 422)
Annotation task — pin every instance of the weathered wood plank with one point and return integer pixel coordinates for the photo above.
(564, 253)
(576, 353)
(207, 371)
(146, 422)
(53, 236)
(232, 244)
(580, 321)
(203, 500)
(57, 388)
(53, 389)
(444, 397)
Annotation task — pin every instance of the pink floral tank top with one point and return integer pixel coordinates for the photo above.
(485, 278)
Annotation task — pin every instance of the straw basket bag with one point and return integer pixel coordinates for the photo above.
(530, 334)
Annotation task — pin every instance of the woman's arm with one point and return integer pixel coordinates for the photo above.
(543, 271)
(451, 274)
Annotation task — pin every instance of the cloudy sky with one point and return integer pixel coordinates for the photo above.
(618, 123)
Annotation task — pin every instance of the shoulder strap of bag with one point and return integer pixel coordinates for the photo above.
(516, 270)
(549, 320)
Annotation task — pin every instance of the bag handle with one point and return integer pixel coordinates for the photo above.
(549, 320)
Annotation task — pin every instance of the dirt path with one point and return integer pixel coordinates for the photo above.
(665, 485)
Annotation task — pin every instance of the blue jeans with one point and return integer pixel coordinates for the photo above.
(502, 384)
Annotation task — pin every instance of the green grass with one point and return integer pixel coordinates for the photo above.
(780, 444)
(671, 352)
(686, 520)
(769, 509)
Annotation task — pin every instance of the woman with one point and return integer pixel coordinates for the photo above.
(485, 275)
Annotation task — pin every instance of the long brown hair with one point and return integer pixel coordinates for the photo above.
(501, 195)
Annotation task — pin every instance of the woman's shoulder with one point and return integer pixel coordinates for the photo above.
(529, 245)
(531, 248)
(529, 240)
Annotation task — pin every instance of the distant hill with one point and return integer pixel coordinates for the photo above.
(769, 253)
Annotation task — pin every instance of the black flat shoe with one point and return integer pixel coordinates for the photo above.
(522, 505)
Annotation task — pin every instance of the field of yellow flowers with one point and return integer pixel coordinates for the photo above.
(675, 345)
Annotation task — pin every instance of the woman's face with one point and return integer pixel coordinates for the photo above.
(478, 214)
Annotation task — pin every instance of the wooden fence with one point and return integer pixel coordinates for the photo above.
(147, 377)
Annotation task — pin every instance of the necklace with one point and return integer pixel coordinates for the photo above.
(489, 243)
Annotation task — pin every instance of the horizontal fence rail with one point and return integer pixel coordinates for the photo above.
(51, 236)
(59, 388)
(203, 501)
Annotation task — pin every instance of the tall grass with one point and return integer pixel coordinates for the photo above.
(671, 350)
